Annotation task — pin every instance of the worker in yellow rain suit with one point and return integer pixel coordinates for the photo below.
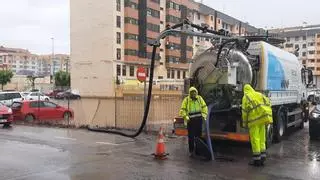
(256, 114)
(193, 110)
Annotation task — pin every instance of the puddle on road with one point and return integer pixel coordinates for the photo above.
(34, 147)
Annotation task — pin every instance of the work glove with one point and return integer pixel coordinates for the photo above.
(186, 120)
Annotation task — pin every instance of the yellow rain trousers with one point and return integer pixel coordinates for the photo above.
(256, 114)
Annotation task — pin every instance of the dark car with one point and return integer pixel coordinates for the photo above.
(67, 95)
(314, 123)
(53, 93)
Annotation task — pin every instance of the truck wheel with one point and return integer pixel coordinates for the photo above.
(269, 135)
(279, 126)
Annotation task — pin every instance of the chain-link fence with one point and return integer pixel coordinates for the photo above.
(124, 111)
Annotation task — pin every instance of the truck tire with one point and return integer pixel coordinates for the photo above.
(279, 126)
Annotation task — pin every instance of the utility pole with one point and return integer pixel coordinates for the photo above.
(52, 58)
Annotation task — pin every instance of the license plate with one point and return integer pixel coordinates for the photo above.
(4, 120)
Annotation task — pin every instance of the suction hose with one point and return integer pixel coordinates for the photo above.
(146, 109)
(210, 107)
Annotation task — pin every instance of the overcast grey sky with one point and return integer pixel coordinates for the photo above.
(30, 24)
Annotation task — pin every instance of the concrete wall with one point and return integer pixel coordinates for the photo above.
(93, 37)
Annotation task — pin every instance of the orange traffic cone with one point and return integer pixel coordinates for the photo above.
(160, 147)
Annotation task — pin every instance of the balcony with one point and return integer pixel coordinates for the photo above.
(184, 66)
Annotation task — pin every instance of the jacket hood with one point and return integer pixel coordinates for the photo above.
(193, 89)
(248, 89)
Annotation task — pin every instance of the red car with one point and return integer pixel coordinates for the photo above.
(40, 110)
(6, 117)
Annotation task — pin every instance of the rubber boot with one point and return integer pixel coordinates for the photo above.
(255, 163)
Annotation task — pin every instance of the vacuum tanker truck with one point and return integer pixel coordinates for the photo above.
(220, 72)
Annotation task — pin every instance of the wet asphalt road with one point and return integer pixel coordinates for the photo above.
(29, 153)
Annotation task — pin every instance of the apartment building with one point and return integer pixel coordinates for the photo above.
(22, 62)
(304, 41)
(112, 36)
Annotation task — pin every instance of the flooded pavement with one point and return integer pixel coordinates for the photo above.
(30, 153)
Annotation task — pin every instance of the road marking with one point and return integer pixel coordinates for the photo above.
(108, 143)
(66, 138)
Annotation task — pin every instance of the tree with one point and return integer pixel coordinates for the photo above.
(62, 79)
(5, 77)
(32, 80)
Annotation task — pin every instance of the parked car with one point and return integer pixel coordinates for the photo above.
(67, 95)
(53, 93)
(7, 98)
(41, 110)
(37, 96)
(314, 123)
(6, 117)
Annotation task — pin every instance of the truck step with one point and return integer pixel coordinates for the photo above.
(294, 112)
(294, 123)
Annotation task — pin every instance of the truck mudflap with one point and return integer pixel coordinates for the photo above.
(181, 130)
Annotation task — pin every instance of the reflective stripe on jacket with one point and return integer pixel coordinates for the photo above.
(193, 108)
(256, 108)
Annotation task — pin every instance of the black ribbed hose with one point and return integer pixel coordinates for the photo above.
(146, 109)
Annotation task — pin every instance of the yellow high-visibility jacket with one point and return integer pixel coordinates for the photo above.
(191, 107)
(256, 108)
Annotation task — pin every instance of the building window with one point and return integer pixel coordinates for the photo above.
(168, 74)
(218, 21)
(131, 36)
(303, 61)
(318, 44)
(198, 16)
(289, 45)
(118, 70)
(156, 1)
(173, 19)
(311, 60)
(311, 68)
(296, 38)
(173, 5)
(118, 38)
(118, 54)
(318, 35)
(310, 44)
(131, 20)
(131, 69)
(211, 18)
(296, 46)
(184, 75)
(304, 54)
(153, 27)
(304, 46)
(178, 75)
(311, 52)
(172, 74)
(318, 68)
(131, 52)
(304, 38)
(128, 3)
(153, 13)
(160, 77)
(118, 21)
(124, 70)
(119, 5)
